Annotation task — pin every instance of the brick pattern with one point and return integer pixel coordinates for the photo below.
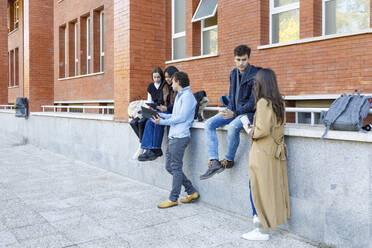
(96, 87)
(310, 18)
(3, 53)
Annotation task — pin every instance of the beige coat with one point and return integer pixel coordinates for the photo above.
(268, 167)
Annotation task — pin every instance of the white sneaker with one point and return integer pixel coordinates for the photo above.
(256, 221)
(256, 235)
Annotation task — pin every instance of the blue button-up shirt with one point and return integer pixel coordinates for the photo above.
(182, 116)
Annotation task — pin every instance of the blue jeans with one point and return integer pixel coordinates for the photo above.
(233, 135)
(173, 164)
(152, 136)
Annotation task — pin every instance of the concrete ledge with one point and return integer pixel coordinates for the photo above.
(330, 180)
(104, 117)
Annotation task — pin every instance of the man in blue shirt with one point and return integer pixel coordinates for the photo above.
(180, 122)
(241, 103)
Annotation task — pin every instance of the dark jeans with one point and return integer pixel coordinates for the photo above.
(174, 156)
(152, 136)
(138, 126)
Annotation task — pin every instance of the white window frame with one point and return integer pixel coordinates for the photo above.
(277, 10)
(89, 57)
(76, 48)
(16, 14)
(175, 35)
(102, 37)
(66, 51)
(203, 29)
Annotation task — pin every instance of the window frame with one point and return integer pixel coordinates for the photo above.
(179, 34)
(278, 10)
(102, 39)
(76, 32)
(16, 13)
(203, 29)
(89, 52)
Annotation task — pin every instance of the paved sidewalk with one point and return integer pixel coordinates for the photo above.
(48, 200)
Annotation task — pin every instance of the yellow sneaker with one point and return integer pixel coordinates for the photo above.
(191, 198)
(167, 204)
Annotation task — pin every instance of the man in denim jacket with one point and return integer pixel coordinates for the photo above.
(241, 103)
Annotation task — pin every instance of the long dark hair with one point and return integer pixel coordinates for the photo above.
(160, 71)
(266, 86)
(171, 70)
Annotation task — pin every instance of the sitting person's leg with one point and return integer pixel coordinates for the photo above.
(214, 165)
(151, 141)
(211, 136)
(233, 140)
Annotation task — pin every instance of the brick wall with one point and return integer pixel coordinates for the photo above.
(96, 87)
(3, 53)
(324, 67)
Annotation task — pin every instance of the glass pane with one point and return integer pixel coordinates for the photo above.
(179, 48)
(345, 16)
(286, 26)
(103, 31)
(279, 3)
(102, 63)
(179, 15)
(205, 8)
(210, 42)
(88, 66)
(210, 21)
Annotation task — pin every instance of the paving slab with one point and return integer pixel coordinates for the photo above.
(51, 201)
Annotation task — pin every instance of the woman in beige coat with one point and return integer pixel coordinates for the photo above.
(267, 158)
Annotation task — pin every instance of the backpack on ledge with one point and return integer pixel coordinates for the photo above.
(346, 113)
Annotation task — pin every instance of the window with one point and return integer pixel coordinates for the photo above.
(16, 17)
(11, 75)
(207, 14)
(102, 41)
(16, 67)
(62, 51)
(76, 48)
(66, 51)
(345, 16)
(9, 70)
(88, 47)
(178, 29)
(284, 20)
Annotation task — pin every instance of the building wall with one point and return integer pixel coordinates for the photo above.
(3, 53)
(91, 87)
(323, 67)
(15, 40)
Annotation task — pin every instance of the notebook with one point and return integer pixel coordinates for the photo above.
(148, 113)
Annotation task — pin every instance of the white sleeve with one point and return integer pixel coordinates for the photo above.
(149, 98)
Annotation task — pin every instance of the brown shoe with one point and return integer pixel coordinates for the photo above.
(167, 204)
(191, 198)
(227, 163)
(214, 166)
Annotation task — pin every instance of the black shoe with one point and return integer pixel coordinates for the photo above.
(158, 152)
(152, 155)
(214, 166)
(227, 163)
(144, 156)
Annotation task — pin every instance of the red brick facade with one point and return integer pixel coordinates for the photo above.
(3, 53)
(138, 37)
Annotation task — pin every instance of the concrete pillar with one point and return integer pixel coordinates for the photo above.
(310, 18)
(3, 53)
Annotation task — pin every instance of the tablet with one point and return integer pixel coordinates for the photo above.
(148, 113)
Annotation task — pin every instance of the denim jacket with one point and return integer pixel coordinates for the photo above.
(246, 102)
(182, 116)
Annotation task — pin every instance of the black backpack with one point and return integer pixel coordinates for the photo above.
(21, 107)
